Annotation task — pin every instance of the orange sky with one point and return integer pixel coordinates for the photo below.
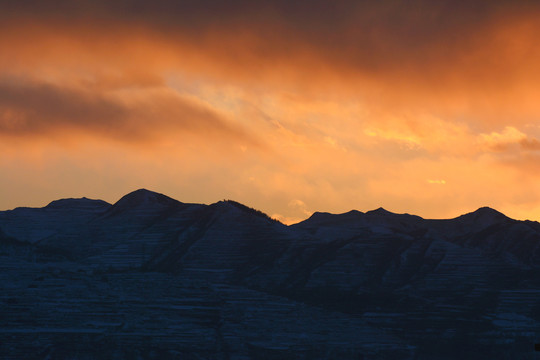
(426, 107)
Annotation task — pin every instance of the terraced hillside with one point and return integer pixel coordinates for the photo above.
(151, 277)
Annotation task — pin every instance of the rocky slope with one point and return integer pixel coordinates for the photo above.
(151, 277)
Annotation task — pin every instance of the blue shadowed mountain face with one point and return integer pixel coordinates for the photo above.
(150, 277)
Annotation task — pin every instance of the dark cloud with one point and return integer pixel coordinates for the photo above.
(453, 58)
(511, 141)
(41, 109)
(366, 36)
(531, 144)
(359, 28)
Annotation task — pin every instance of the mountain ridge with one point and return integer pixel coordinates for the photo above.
(224, 281)
(141, 196)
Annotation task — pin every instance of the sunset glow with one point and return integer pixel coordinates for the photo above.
(425, 107)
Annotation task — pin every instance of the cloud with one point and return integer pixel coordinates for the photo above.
(297, 209)
(474, 60)
(301, 206)
(437, 182)
(350, 37)
(39, 109)
(530, 144)
(510, 139)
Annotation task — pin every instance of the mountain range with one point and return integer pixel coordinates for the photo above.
(153, 278)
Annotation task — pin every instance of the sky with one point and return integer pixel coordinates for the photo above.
(425, 107)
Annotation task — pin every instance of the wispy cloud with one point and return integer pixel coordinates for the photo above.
(509, 139)
(437, 182)
(40, 110)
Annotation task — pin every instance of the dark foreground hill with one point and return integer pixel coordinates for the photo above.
(150, 277)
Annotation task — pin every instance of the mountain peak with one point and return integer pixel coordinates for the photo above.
(83, 202)
(328, 219)
(380, 211)
(484, 216)
(318, 215)
(235, 205)
(487, 210)
(144, 197)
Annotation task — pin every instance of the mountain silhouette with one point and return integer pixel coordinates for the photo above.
(152, 277)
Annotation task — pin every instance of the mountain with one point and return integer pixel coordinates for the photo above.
(152, 277)
(34, 224)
